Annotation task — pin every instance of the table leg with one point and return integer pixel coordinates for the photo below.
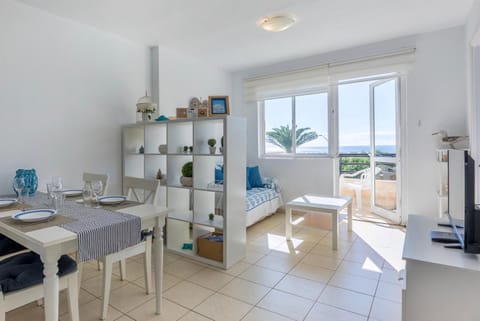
(288, 222)
(349, 218)
(158, 259)
(50, 286)
(335, 230)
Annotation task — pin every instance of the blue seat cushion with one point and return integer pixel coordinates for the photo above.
(254, 177)
(9, 246)
(26, 269)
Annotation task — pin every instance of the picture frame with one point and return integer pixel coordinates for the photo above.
(218, 105)
(181, 112)
(202, 112)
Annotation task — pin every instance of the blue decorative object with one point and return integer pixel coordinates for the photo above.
(249, 187)
(254, 177)
(161, 118)
(187, 246)
(219, 174)
(31, 180)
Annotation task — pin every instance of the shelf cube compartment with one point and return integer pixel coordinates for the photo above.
(179, 237)
(155, 135)
(179, 134)
(174, 169)
(206, 203)
(205, 130)
(209, 173)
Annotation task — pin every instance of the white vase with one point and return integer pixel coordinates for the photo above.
(212, 150)
(147, 117)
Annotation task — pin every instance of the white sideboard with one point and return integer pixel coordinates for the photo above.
(441, 284)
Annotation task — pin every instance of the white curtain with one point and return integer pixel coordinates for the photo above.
(314, 78)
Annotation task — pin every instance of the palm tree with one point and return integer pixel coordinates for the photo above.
(282, 137)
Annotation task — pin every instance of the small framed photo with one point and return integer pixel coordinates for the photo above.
(181, 112)
(202, 112)
(218, 105)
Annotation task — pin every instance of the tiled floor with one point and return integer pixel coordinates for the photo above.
(278, 280)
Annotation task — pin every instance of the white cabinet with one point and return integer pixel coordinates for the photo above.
(192, 205)
(441, 283)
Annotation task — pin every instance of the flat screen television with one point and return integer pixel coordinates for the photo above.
(472, 214)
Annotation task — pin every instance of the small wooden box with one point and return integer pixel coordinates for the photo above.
(210, 249)
(181, 112)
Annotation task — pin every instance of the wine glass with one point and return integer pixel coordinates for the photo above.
(97, 189)
(57, 183)
(19, 185)
(87, 195)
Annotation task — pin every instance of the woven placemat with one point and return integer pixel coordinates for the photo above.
(57, 220)
(16, 206)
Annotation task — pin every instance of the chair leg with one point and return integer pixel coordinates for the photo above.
(123, 269)
(148, 264)
(80, 274)
(73, 289)
(358, 195)
(2, 307)
(99, 265)
(107, 282)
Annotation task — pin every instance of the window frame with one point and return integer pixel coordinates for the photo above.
(261, 127)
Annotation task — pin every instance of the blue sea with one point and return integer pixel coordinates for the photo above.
(387, 149)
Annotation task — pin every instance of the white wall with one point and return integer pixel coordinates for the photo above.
(65, 91)
(182, 76)
(436, 97)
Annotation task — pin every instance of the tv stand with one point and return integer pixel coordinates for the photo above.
(439, 283)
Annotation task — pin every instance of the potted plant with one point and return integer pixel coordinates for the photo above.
(187, 174)
(211, 142)
(221, 145)
(211, 216)
(190, 149)
(185, 149)
(146, 107)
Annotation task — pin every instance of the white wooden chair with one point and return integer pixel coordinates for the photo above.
(91, 177)
(15, 299)
(364, 183)
(144, 191)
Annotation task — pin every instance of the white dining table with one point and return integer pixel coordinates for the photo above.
(53, 242)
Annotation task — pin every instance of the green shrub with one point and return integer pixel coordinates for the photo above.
(211, 142)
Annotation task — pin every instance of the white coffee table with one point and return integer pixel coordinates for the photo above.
(315, 203)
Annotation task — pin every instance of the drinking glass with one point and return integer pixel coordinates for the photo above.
(87, 195)
(57, 183)
(50, 191)
(97, 189)
(19, 185)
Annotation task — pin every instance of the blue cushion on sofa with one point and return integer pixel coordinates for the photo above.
(249, 187)
(25, 270)
(254, 177)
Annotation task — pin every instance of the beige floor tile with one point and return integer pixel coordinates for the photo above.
(89, 270)
(183, 268)
(237, 268)
(295, 246)
(389, 291)
(168, 281)
(257, 314)
(301, 287)
(362, 256)
(135, 270)
(193, 316)
(329, 313)
(390, 276)
(84, 298)
(322, 261)
(169, 258)
(262, 276)
(146, 311)
(91, 312)
(211, 279)
(252, 256)
(29, 312)
(286, 304)
(128, 297)
(366, 270)
(278, 263)
(354, 283)
(326, 250)
(223, 308)
(187, 294)
(312, 272)
(347, 300)
(95, 285)
(244, 290)
(124, 318)
(385, 310)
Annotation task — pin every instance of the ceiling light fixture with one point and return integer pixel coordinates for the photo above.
(277, 23)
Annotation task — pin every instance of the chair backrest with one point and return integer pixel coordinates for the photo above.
(141, 189)
(365, 178)
(92, 177)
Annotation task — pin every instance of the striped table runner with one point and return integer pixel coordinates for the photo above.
(100, 232)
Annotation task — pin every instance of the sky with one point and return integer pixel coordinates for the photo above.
(354, 115)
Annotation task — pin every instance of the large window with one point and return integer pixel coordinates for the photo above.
(295, 126)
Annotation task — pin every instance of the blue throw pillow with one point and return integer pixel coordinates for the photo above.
(254, 177)
(219, 174)
(249, 187)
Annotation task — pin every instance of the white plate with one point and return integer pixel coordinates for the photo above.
(4, 202)
(37, 215)
(72, 192)
(111, 200)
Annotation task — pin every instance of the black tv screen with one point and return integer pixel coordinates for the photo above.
(472, 215)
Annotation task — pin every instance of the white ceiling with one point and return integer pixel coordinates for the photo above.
(224, 32)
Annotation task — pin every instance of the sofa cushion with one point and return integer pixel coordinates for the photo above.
(9, 246)
(254, 177)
